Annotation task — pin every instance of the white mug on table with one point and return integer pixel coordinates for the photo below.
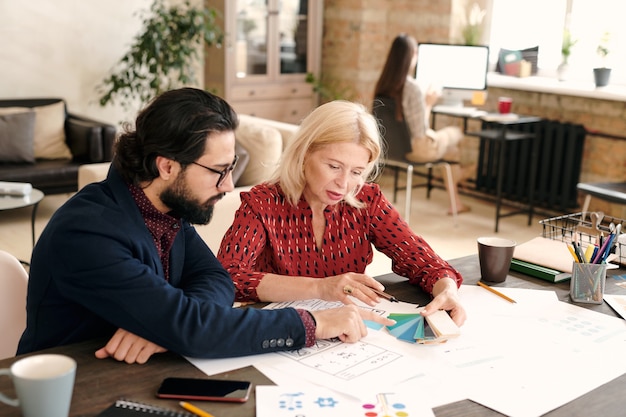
(43, 383)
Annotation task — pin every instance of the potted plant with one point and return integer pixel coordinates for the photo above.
(566, 49)
(472, 29)
(602, 74)
(163, 54)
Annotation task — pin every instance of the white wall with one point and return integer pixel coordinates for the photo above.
(64, 48)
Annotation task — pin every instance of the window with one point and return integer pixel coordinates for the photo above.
(529, 23)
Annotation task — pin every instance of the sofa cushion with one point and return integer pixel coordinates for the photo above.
(17, 127)
(244, 159)
(264, 145)
(49, 140)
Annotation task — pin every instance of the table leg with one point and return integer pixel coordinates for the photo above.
(533, 177)
(502, 139)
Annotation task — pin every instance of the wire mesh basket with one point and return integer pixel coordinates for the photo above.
(580, 227)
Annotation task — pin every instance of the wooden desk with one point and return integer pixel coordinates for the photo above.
(100, 382)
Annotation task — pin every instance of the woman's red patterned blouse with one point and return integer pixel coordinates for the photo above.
(269, 235)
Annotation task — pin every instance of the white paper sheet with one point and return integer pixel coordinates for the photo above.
(302, 400)
(521, 359)
(617, 303)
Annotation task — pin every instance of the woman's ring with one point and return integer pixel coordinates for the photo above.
(348, 289)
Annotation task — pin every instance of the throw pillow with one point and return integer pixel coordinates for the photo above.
(16, 136)
(244, 158)
(49, 141)
(17, 126)
(265, 145)
(529, 54)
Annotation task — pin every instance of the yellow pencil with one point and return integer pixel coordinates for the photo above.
(195, 409)
(571, 250)
(498, 293)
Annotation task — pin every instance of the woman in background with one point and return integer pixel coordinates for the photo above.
(412, 105)
(319, 217)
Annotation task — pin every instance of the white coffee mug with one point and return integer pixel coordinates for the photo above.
(43, 383)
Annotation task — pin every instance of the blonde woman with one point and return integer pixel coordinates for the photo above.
(308, 232)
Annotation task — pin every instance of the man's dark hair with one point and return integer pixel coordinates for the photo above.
(175, 125)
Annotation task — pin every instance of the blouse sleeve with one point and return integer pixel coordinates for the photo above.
(241, 246)
(411, 256)
(414, 109)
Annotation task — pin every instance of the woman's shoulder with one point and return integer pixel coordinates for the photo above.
(369, 192)
(263, 192)
(411, 85)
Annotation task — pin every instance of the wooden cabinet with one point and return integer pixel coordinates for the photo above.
(269, 48)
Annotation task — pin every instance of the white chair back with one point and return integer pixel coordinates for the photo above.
(13, 283)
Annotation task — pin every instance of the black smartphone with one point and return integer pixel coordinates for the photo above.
(205, 389)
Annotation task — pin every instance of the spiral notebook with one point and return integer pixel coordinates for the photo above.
(126, 408)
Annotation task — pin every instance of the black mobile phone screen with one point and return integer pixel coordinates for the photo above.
(204, 389)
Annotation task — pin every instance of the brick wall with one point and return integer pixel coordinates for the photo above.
(358, 33)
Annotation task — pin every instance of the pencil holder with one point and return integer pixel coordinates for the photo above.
(587, 284)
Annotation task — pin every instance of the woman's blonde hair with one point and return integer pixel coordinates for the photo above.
(337, 121)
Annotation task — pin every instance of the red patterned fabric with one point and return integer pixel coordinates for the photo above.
(309, 326)
(162, 226)
(269, 235)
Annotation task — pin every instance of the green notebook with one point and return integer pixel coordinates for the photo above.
(539, 271)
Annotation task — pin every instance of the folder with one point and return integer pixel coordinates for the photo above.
(539, 271)
(545, 252)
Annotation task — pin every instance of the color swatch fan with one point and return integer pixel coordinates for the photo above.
(415, 328)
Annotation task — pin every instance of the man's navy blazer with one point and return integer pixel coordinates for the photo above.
(95, 269)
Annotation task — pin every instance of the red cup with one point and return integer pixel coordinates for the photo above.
(504, 104)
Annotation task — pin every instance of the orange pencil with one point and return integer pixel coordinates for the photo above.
(498, 293)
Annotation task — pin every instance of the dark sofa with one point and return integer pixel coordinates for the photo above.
(88, 140)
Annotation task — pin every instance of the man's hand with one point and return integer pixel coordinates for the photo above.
(128, 347)
(345, 322)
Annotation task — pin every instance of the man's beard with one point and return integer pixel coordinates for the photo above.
(179, 199)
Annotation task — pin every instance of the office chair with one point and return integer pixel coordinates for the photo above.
(398, 143)
(13, 283)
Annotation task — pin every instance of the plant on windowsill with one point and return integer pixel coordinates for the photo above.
(566, 49)
(473, 25)
(602, 74)
(163, 54)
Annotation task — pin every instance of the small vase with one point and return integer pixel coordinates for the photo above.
(562, 71)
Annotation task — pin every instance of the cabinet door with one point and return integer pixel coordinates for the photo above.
(251, 48)
(272, 38)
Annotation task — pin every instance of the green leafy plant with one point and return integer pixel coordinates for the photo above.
(473, 25)
(603, 47)
(162, 55)
(567, 45)
(328, 91)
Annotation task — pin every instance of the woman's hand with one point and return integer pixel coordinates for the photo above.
(432, 95)
(446, 297)
(128, 347)
(341, 287)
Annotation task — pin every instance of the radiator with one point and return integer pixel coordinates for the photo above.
(560, 150)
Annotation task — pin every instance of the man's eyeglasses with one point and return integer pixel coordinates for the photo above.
(223, 173)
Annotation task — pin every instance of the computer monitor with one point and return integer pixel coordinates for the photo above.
(459, 70)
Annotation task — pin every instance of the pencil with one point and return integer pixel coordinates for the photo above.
(194, 409)
(498, 293)
(385, 295)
